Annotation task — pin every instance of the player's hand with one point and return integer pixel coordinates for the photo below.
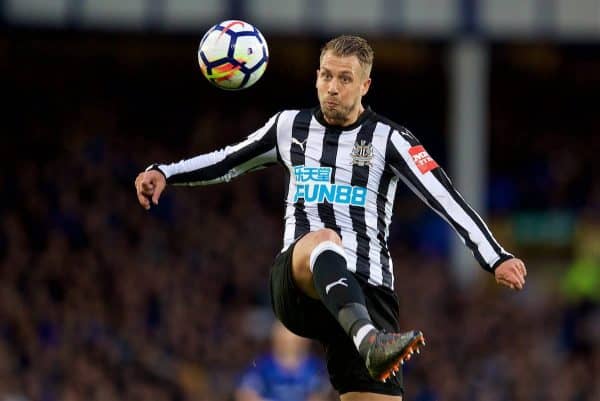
(511, 273)
(148, 186)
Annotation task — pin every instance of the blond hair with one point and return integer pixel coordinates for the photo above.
(350, 45)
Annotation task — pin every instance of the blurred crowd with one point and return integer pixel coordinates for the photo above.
(101, 300)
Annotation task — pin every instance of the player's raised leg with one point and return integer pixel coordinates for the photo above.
(320, 270)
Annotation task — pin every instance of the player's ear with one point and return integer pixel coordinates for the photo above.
(365, 86)
(317, 77)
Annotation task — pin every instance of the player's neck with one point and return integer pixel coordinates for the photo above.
(359, 110)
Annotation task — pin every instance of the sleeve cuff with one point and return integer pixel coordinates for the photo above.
(502, 259)
(155, 166)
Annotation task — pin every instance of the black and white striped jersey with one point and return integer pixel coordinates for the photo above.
(345, 178)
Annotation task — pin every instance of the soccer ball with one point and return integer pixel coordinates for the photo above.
(233, 55)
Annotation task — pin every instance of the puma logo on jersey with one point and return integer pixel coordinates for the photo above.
(407, 134)
(297, 142)
(341, 281)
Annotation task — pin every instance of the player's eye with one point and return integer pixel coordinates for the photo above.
(346, 79)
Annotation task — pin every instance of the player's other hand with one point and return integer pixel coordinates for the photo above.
(148, 186)
(511, 273)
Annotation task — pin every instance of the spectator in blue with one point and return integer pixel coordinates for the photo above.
(287, 373)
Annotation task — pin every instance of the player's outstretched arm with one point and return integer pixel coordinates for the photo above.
(149, 185)
(426, 178)
(511, 273)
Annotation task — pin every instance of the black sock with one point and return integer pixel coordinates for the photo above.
(341, 294)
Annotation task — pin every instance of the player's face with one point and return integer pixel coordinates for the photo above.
(341, 83)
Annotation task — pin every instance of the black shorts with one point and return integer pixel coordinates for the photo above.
(308, 317)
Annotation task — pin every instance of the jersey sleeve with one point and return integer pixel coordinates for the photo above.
(257, 151)
(409, 160)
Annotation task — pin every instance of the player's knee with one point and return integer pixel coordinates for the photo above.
(306, 246)
(327, 234)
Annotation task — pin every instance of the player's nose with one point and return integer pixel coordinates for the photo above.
(332, 88)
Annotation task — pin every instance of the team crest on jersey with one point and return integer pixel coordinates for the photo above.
(362, 153)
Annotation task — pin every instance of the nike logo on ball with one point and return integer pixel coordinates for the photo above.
(341, 281)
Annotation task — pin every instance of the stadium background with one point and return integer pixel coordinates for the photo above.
(100, 300)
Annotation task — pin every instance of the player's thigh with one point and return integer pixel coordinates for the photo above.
(302, 315)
